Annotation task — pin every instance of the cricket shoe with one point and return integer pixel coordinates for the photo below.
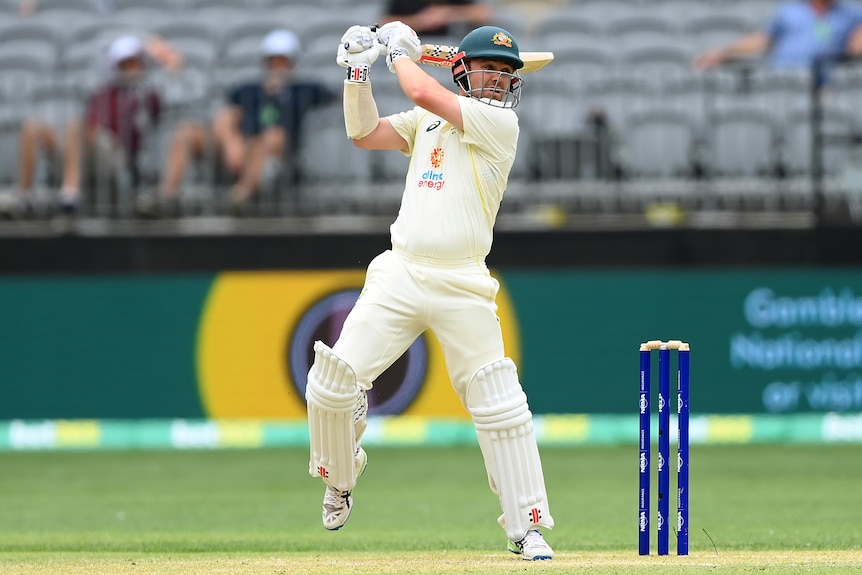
(532, 547)
(337, 505)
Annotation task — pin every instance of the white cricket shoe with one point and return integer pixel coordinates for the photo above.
(532, 547)
(336, 508)
(338, 504)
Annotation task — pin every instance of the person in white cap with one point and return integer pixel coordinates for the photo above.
(58, 135)
(260, 126)
(117, 115)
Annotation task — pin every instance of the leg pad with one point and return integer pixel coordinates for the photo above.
(334, 401)
(504, 427)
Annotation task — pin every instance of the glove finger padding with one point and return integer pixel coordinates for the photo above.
(400, 41)
(345, 58)
(358, 38)
(388, 31)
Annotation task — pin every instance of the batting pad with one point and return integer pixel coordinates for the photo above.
(332, 398)
(504, 427)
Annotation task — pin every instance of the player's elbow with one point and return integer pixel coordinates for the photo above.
(362, 143)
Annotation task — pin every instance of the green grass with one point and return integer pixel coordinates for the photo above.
(754, 509)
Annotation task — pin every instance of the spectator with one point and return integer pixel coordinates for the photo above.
(117, 116)
(258, 131)
(64, 134)
(798, 32)
(438, 17)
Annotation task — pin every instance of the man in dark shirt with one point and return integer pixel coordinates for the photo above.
(257, 131)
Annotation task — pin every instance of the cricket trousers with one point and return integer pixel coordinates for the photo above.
(405, 295)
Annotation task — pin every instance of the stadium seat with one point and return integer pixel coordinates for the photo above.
(9, 139)
(782, 91)
(164, 5)
(619, 94)
(710, 31)
(691, 91)
(39, 42)
(580, 65)
(658, 63)
(142, 16)
(796, 139)
(20, 76)
(600, 12)
(641, 31)
(658, 142)
(743, 142)
(567, 29)
(198, 43)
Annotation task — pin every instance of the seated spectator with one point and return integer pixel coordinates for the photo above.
(438, 17)
(797, 33)
(61, 137)
(117, 115)
(258, 131)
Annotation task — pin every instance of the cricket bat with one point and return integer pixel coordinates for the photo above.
(441, 55)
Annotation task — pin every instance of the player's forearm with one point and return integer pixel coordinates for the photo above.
(360, 110)
(414, 81)
(427, 93)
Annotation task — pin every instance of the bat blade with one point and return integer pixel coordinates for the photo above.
(535, 61)
(441, 55)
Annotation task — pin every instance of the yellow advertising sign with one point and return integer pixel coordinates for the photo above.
(254, 347)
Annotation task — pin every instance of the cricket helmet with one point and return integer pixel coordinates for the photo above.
(492, 43)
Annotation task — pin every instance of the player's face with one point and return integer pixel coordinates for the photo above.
(486, 75)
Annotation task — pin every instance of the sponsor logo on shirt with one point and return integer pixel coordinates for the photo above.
(430, 178)
(437, 157)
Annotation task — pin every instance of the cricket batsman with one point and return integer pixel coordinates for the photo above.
(461, 148)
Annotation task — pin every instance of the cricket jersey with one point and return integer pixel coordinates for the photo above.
(455, 181)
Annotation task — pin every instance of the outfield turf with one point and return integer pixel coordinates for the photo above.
(754, 509)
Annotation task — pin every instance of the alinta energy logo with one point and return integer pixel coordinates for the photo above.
(430, 178)
(437, 157)
(393, 391)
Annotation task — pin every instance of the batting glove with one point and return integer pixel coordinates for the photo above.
(358, 50)
(401, 41)
(358, 39)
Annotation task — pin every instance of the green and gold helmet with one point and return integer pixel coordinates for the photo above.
(491, 42)
(496, 88)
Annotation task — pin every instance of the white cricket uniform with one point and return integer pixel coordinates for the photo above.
(435, 276)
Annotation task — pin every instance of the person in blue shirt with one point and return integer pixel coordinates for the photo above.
(797, 33)
(259, 128)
